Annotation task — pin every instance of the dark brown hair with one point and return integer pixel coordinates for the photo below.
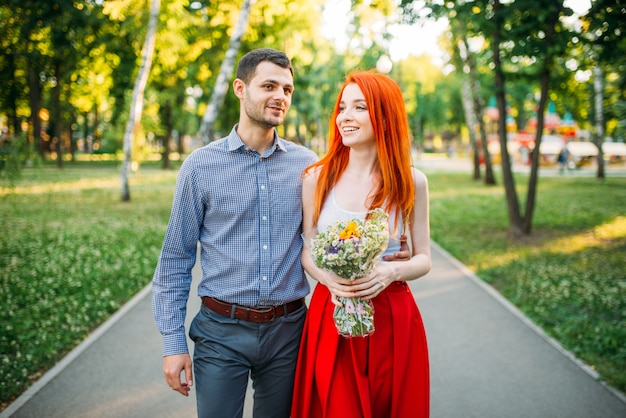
(248, 63)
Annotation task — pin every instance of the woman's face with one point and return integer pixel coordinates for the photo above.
(353, 120)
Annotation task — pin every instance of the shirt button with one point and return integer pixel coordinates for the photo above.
(264, 218)
(263, 187)
(265, 247)
(264, 277)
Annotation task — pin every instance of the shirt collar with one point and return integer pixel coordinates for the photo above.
(234, 142)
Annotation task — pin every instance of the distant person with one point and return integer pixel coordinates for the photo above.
(240, 197)
(368, 166)
(562, 159)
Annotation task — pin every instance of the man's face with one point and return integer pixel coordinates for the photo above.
(267, 97)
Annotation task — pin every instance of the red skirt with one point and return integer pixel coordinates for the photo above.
(385, 375)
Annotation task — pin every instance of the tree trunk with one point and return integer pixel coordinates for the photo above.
(535, 155)
(478, 111)
(515, 218)
(207, 127)
(85, 132)
(470, 119)
(180, 138)
(136, 106)
(34, 98)
(70, 131)
(180, 142)
(12, 114)
(599, 125)
(70, 126)
(544, 81)
(95, 137)
(58, 116)
(167, 116)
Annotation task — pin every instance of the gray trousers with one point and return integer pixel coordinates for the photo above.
(228, 350)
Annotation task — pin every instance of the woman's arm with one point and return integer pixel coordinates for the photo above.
(420, 229)
(420, 262)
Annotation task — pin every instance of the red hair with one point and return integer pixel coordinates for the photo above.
(386, 109)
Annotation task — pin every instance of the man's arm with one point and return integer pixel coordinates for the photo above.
(172, 279)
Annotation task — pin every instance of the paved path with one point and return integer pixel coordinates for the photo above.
(487, 361)
(437, 162)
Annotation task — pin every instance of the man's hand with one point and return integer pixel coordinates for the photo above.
(403, 255)
(173, 366)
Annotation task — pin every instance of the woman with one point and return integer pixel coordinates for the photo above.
(368, 166)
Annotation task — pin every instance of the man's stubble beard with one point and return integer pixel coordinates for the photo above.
(258, 117)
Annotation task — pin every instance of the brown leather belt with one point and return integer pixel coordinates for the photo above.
(251, 314)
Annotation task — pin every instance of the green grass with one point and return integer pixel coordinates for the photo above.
(569, 276)
(71, 253)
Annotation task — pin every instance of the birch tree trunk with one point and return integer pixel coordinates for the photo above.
(470, 119)
(207, 131)
(467, 97)
(599, 134)
(136, 106)
(478, 107)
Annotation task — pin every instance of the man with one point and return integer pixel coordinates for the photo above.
(240, 197)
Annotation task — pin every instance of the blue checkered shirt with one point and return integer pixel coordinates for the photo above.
(245, 210)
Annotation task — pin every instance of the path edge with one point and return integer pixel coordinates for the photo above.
(528, 322)
(76, 351)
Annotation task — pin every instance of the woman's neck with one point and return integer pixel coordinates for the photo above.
(362, 163)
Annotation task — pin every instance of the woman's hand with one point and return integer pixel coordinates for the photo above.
(372, 285)
(337, 286)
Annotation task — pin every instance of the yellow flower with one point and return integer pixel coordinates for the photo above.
(349, 232)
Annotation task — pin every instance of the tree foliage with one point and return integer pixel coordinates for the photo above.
(525, 44)
(67, 69)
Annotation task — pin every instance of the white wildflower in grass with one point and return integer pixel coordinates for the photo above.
(350, 249)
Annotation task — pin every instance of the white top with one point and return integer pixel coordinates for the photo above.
(331, 213)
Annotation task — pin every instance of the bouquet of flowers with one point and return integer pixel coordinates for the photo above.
(350, 249)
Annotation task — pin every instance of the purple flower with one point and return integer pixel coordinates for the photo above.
(360, 309)
(349, 307)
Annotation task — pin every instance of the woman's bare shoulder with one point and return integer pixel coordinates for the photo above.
(311, 175)
(419, 178)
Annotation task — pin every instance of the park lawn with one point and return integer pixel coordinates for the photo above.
(568, 277)
(72, 253)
